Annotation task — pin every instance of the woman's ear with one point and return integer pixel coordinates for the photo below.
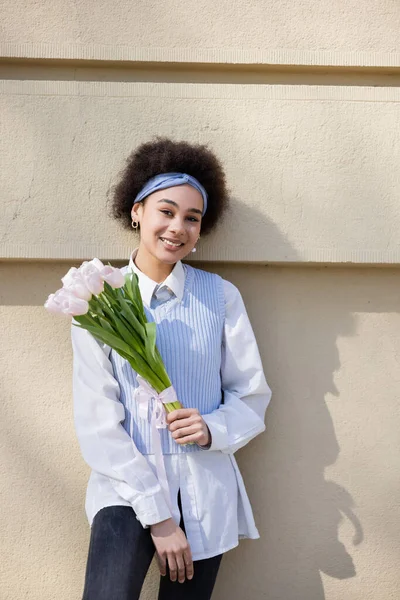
(136, 211)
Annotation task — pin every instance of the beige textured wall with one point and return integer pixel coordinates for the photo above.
(301, 101)
(301, 159)
(264, 26)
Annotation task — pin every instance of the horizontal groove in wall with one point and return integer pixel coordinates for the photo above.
(104, 90)
(123, 72)
(279, 56)
(209, 253)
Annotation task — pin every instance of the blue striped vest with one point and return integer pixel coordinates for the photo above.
(189, 338)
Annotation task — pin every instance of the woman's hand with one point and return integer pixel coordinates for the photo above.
(172, 546)
(187, 425)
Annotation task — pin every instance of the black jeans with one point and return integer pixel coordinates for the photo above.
(120, 553)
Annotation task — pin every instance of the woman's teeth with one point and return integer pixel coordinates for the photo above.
(170, 243)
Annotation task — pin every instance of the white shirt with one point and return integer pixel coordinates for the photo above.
(215, 506)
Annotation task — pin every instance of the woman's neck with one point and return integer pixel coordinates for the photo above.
(150, 266)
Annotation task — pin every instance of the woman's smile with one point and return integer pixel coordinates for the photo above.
(171, 244)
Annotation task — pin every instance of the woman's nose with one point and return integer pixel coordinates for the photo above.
(177, 226)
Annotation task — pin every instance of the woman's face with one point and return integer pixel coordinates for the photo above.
(170, 222)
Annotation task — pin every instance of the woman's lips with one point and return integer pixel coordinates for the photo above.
(170, 246)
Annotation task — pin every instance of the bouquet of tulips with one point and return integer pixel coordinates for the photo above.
(109, 305)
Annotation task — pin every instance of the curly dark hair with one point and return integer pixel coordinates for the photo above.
(163, 155)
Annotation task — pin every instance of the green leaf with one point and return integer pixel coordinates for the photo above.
(126, 335)
(87, 318)
(151, 340)
(137, 297)
(130, 316)
(128, 277)
(110, 339)
(110, 293)
(106, 325)
(107, 309)
(131, 329)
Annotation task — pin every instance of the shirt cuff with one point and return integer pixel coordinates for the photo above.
(151, 509)
(218, 430)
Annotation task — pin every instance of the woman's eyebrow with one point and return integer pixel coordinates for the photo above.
(193, 210)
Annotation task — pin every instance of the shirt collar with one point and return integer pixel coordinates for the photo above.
(175, 280)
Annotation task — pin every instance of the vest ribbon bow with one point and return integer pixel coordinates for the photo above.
(144, 394)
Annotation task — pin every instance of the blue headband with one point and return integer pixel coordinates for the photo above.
(166, 180)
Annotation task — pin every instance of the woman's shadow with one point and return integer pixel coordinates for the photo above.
(297, 315)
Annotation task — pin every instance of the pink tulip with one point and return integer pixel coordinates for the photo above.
(113, 276)
(64, 302)
(92, 276)
(74, 282)
(97, 263)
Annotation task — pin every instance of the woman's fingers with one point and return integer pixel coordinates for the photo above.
(183, 418)
(184, 564)
(181, 568)
(162, 564)
(187, 557)
(172, 566)
(184, 431)
(195, 438)
(182, 413)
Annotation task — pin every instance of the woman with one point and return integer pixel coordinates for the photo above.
(170, 192)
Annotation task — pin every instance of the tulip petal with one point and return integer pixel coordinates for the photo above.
(113, 276)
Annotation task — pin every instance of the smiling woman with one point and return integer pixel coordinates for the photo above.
(170, 192)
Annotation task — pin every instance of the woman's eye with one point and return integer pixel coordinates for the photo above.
(169, 213)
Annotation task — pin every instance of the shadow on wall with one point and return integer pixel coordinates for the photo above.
(297, 509)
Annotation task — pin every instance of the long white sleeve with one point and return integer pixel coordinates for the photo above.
(105, 444)
(246, 392)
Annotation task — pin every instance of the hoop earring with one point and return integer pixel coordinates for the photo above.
(135, 224)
